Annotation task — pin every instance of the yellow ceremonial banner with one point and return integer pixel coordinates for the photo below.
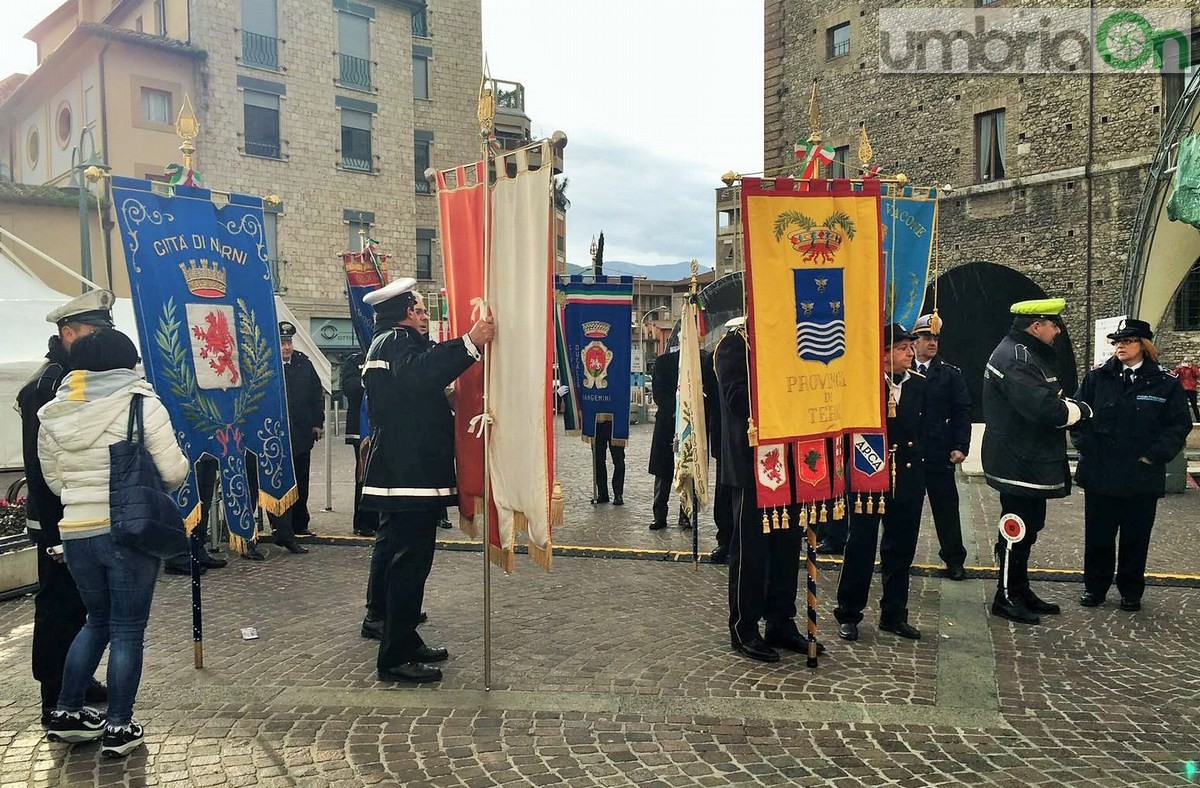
(814, 298)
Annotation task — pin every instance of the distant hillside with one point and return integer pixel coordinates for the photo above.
(667, 273)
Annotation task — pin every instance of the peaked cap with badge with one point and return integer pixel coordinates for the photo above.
(894, 333)
(93, 308)
(286, 330)
(393, 300)
(1132, 328)
(928, 324)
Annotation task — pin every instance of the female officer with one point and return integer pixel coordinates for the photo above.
(1140, 423)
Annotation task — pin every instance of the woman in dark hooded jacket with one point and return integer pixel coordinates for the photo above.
(1140, 422)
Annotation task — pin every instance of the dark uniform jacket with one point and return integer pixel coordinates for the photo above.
(351, 377)
(712, 402)
(666, 380)
(904, 431)
(947, 413)
(306, 404)
(44, 509)
(1024, 442)
(733, 385)
(410, 465)
(1148, 418)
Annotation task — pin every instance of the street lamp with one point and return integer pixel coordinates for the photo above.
(646, 317)
(85, 171)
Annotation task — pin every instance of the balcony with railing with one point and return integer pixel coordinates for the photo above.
(511, 120)
(354, 72)
(356, 161)
(266, 150)
(260, 51)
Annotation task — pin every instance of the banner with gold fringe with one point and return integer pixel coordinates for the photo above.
(209, 338)
(814, 293)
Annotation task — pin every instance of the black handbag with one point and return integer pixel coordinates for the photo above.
(142, 514)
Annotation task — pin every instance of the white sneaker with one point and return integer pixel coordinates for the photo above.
(120, 740)
(75, 726)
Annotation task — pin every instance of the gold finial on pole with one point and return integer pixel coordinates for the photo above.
(695, 274)
(814, 117)
(865, 151)
(487, 101)
(187, 128)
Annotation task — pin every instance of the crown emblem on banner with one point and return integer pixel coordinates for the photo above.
(203, 278)
(596, 329)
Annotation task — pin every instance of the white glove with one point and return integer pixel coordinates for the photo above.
(1077, 411)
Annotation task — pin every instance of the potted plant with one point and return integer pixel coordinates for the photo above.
(18, 559)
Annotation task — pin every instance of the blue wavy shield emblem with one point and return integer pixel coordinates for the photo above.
(820, 314)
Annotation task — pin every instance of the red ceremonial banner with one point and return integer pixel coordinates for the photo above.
(839, 466)
(461, 217)
(771, 475)
(812, 470)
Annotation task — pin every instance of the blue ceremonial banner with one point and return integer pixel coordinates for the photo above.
(365, 271)
(597, 318)
(209, 340)
(910, 223)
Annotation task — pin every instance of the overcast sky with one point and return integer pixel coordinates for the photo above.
(657, 97)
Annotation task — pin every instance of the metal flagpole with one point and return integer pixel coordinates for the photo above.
(487, 116)
(187, 128)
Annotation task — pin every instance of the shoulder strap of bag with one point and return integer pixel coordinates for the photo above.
(135, 432)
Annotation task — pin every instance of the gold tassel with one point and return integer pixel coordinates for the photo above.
(766, 523)
(751, 433)
(542, 556)
(192, 520)
(556, 505)
(520, 523)
(824, 514)
(803, 517)
(774, 519)
(783, 521)
(839, 508)
(505, 559)
(891, 406)
(812, 514)
(858, 505)
(882, 505)
(870, 504)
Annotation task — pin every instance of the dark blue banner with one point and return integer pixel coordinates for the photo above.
(597, 319)
(909, 221)
(210, 339)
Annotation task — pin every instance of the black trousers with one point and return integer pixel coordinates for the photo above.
(1104, 517)
(901, 525)
(299, 512)
(1191, 398)
(58, 615)
(764, 571)
(602, 443)
(1033, 512)
(943, 501)
(662, 500)
(396, 587)
(365, 522)
(835, 532)
(723, 513)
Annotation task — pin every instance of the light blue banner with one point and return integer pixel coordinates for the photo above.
(909, 217)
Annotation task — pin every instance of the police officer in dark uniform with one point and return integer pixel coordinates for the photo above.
(306, 417)
(1025, 446)
(365, 522)
(662, 443)
(1140, 423)
(723, 495)
(763, 567)
(58, 611)
(902, 505)
(946, 440)
(410, 468)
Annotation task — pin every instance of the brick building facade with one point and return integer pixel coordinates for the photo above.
(1054, 200)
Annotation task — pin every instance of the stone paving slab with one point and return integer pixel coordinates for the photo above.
(616, 673)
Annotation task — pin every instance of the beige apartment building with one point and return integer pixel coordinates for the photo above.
(335, 106)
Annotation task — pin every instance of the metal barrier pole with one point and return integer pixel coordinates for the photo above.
(328, 457)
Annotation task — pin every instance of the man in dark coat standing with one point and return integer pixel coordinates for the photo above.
(901, 518)
(945, 441)
(58, 610)
(306, 417)
(365, 522)
(662, 444)
(602, 443)
(1025, 446)
(763, 567)
(410, 467)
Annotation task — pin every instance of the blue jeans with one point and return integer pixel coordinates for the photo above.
(117, 586)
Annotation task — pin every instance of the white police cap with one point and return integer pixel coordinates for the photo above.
(389, 291)
(93, 307)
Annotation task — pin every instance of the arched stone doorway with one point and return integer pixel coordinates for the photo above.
(973, 301)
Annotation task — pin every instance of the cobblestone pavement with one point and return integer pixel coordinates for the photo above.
(1059, 547)
(616, 673)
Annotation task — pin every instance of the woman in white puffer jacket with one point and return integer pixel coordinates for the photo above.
(89, 413)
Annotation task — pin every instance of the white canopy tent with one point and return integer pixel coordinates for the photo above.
(24, 303)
